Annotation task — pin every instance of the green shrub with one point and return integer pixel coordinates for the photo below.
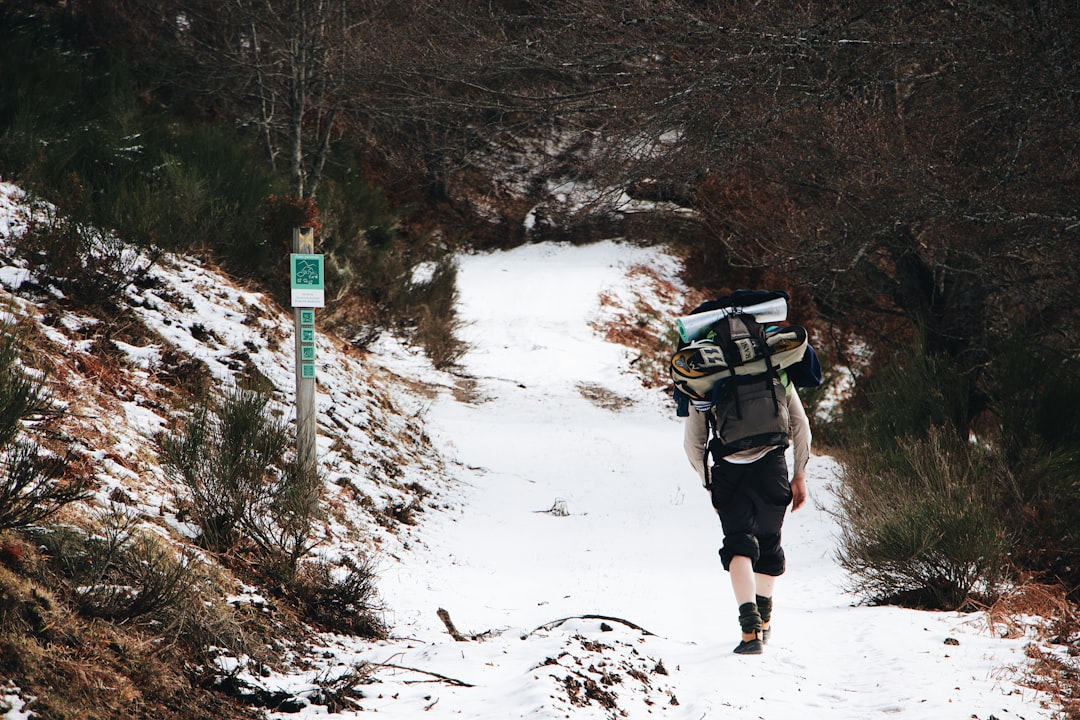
(919, 505)
(281, 526)
(33, 481)
(79, 127)
(226, 457)
(904, 397)
(244, 492)
(937, 501)
(87, 264)
(1035, 400)
(926, 531)
(433, 303)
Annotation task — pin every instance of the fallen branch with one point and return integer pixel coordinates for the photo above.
(556, 623)
(437, 676)
(445, 617)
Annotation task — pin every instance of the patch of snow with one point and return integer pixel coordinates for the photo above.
(13, 704)
(423, 273)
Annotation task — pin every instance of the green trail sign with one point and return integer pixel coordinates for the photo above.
(308, 278)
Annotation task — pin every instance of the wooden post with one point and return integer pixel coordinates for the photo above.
(304, 323)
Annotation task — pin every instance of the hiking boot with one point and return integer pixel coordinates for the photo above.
(765, 633)
(749, 647)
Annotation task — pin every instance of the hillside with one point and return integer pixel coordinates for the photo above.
(123, 373)
(131, 368)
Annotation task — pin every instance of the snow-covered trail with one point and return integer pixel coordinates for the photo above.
(637, 542)
(536, 443)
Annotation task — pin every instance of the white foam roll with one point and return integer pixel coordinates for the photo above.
(690, 326)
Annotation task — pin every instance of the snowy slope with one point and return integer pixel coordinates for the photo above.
(566, 536)
(187, 320)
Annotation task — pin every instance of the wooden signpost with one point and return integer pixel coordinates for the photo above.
(308, 293)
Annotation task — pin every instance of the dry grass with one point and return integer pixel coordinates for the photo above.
(602, 397)
(1045, 613)
(76, 668)
(635, 323)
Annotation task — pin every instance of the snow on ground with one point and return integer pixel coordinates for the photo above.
(569, 509)
(185, 320)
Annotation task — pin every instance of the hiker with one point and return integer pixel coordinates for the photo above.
(750, 492)
(737, 389)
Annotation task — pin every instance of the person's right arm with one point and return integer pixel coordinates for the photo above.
(695, 434)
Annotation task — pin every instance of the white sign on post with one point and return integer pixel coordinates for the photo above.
(308, 288)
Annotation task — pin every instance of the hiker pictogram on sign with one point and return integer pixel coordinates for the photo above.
(307, 280)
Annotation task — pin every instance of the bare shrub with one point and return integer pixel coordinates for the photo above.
(123, 574)
(339, 693)
(341, 599)
(115, 572)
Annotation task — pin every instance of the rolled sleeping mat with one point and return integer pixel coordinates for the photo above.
(692, 326)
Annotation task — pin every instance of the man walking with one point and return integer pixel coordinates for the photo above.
(751, 491)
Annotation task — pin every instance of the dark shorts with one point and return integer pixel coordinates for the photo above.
(752, 501)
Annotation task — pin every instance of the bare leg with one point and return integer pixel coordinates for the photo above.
(743, 582)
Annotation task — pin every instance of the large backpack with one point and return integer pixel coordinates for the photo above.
(698, 365)
(739, 366)
(748, 409)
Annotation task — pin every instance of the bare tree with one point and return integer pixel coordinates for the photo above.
(276, 65)
(293, 54)
(912, 159)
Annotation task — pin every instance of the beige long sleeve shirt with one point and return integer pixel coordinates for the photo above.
(696, 435)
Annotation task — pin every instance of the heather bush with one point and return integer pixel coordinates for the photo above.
(341, 599)
(938, 504)
(925, 529)
(118, 572)
(432, 302)
(244, 491)
(33, 481)
(1035, 402)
